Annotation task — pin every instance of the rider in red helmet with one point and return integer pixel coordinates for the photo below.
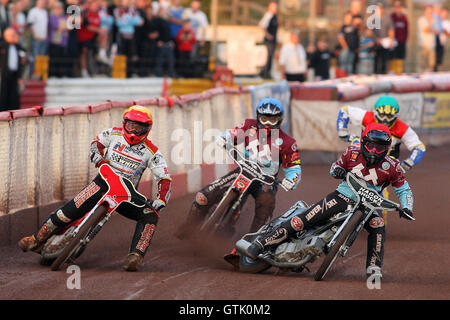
(129, 152)
(369, 162)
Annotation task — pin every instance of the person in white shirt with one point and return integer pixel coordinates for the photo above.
(37, 20)
(292, 59)
(199, 22)
(427, 40)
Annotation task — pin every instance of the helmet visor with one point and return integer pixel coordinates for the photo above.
(386, 118)
(269, 120)
(373, 147)
(138, 128)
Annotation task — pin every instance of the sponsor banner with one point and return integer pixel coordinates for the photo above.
(313, 125)
(436, 113)
(280, 91)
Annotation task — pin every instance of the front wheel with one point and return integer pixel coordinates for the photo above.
(210, 223)
(74, 245)
(341, 239)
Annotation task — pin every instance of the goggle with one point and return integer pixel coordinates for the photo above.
(137, 128)
(269, 120)
(385, 118)
(386, 110)
(373, 147)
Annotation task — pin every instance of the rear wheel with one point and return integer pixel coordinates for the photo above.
(333, 253)
(75, 244)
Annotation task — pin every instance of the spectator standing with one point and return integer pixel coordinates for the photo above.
(5, 16)
(269, 23)
(292, 59)
(38, 21)
(90, 26)
(12, 57)
(127, 19)
(427, 40)
(150, 36)
(176, 12)
(199, 22)
(400, 21)
(165, 45)
(106, 25)
(366, 53)
(185, 43)
(385, 41)
(349, 40)
(445, 28)
(319, 60)
(18, 20)
(57, 39)
(72, 44)
(438, 30)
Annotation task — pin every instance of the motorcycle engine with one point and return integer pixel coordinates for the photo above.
(298, 249)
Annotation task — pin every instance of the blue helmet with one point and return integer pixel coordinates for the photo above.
(269, 113)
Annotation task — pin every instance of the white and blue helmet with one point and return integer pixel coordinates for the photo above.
(269, 113)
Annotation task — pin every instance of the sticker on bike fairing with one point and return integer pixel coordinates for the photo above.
(85, 194)
(297, 224)
(377, 222)
(354, 155)
(241, 183)
(277, 237)
(385, 165)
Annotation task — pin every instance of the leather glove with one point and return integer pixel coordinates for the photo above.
(158, 205)
(96, 158)
(287, 184)
(221, 142)
(406, 214)
(405, 165)
(339, 173)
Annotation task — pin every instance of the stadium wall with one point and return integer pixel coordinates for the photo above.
(44, 154)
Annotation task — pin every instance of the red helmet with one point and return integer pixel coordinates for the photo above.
(375, 142)
(137, 122)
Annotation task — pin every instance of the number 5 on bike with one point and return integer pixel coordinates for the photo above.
(121, 154)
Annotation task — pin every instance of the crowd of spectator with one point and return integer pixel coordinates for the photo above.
(82, 37)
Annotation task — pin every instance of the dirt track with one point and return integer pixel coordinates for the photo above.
(416, 264)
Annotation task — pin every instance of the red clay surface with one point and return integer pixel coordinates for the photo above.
(416, 264)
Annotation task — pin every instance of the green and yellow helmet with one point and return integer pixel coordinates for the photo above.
(386, 110)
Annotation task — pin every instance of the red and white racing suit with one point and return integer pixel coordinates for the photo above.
(400, 132)
(128, 161)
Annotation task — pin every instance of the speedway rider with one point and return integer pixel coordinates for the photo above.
(386, 112)
(370, 162)
(129, 152)
(264, 142)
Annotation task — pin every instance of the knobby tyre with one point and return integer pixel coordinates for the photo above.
(84, 231)
(334, 251)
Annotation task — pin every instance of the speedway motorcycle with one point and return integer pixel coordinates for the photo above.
(226, 214)
(68, 244)
(333, 238)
